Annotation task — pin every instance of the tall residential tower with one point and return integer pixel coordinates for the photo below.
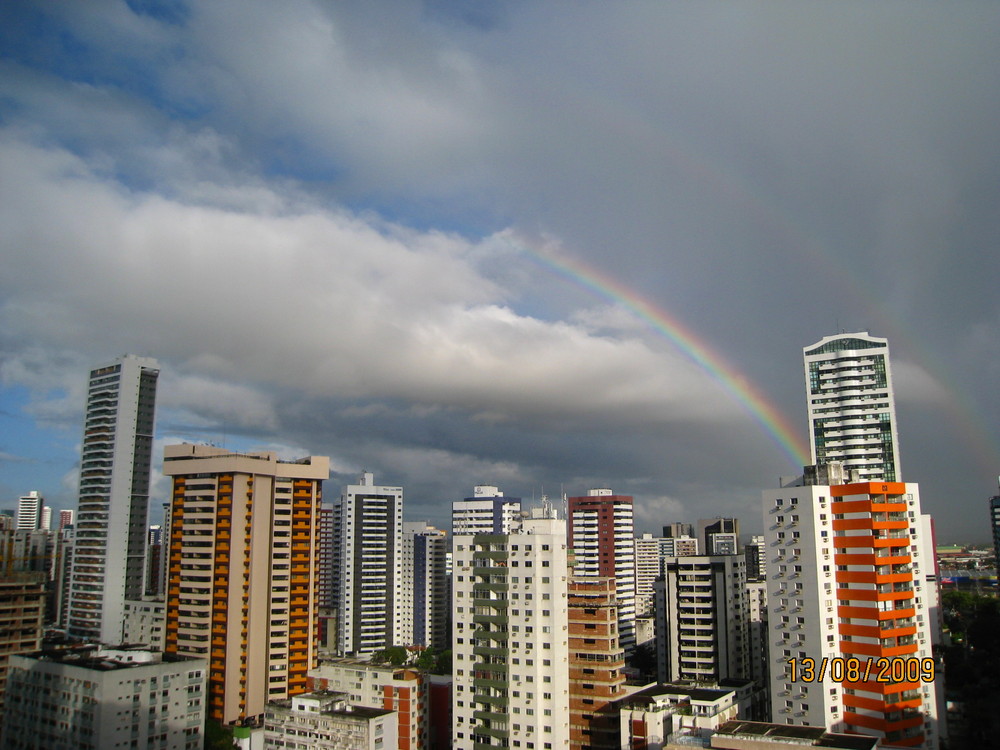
(849, 608)
(368, 568)
(852, 412)
(241, 577)
(511, 639)
(109, 562)
(602, 536)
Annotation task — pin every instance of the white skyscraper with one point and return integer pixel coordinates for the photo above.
(486, 512)
(29, 511)
(368, 567)
(647, 570)
(425, 606)
(46, 523)
(852, 412)
(109, 562)
(510, 642)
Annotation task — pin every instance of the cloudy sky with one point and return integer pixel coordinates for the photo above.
(546, 246)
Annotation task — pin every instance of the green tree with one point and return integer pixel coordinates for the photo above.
(218, 737)
(644, 659)
(397, 656)
(426, 660)
(442, 663)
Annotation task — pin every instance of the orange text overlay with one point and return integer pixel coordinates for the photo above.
(890, 670)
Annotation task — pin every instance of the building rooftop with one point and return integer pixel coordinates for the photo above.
(803, 736)
(106, 659)
(333, 703)
(649, 694)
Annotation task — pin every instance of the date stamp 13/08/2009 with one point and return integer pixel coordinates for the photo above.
(888, 670)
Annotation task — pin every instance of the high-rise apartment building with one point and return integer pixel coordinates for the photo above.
(109, 561)
(368, 567)
(848, 593)
(702, 619)
(486, 512)
(425, 587)
(852, 411)
(510, 641)
(65, 519)
(241, 576)
(995, 525)
(22, 614)
(602, 536)
(29, 511)
(678, 529)
(596, 664)
(327, 551)
(721, 536)
(62, 570)
(647, 570)
(755, 553)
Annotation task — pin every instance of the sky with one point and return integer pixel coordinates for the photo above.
(545, 246)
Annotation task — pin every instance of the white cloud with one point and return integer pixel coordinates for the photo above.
(652, 513)
(320, 301)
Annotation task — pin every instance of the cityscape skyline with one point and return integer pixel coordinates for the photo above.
(548, 260)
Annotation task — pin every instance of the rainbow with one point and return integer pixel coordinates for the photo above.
(737, 385)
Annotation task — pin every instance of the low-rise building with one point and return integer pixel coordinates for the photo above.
(380, 686)
(657, 716)
(325, 719)
(98, 698)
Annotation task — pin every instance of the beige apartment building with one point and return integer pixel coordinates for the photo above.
(241, 576)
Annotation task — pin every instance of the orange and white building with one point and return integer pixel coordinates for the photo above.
(241, 578)
(398, 689)
(850, 642)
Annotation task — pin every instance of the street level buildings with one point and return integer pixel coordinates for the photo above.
(241, 577)
(852, 410)
(98, 699)
(324, 720)
(510, 641)
(663, 716)
(109, 559)
(602, 537)
(382, 686)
